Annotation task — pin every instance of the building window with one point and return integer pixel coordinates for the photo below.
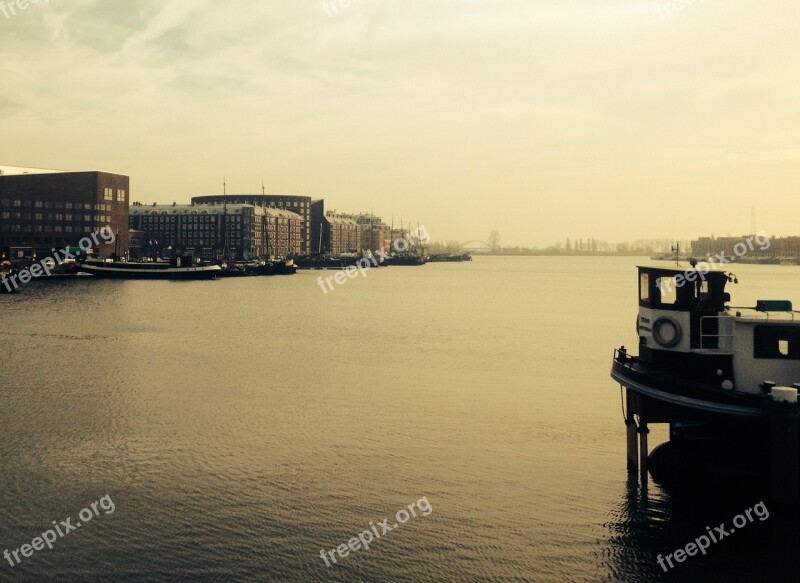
(120, 195)
(108, 194)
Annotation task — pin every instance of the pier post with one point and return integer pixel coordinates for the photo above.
(643, 431)
(633, 446)
(630, 428)
(783, 418)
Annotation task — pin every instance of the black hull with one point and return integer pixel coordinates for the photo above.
(405, 260)
(184, 274)
(329, 263)
(449, 258)
(277, 269)
(261, 270)
(681, 393)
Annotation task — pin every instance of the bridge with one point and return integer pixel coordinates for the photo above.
(475, 246)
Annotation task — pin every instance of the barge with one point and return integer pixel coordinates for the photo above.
(177, 269)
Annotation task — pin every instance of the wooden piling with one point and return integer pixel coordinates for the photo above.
(783, 418)
(643, 431)
(630, 427)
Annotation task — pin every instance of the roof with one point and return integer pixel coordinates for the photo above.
(341, 221)
(18, 170)
(25, 171)
(211, 209)
(713, 269)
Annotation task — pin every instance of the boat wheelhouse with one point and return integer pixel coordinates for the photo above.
(699, 354)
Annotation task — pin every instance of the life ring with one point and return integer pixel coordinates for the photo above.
(671, 340)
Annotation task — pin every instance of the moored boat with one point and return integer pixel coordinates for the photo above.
(449, 258)
(342, 261)
(724, 378)
(177, 269)
(407, 259)
(697, 354)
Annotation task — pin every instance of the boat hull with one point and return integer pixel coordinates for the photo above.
(171, 273)
(682, 393)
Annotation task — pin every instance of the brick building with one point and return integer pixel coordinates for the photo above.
(372, 231)
(236, 231)
(299, 205)
(45, 209)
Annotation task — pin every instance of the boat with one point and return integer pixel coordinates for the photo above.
(238, 269)
(449, 258)
(405, 259)
(343, 261)
(698, 355)
(176, 269)
(281, 267)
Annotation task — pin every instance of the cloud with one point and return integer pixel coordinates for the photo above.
(412, 104)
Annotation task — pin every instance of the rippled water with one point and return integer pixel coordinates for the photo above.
(242, 426)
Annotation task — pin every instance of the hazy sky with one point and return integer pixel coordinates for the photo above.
(580, 118)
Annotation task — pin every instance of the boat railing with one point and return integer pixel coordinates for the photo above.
(720, 339)
(621, 356)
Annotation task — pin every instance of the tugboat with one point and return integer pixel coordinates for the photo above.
(725, 378)
(698, 354)
(176, 269)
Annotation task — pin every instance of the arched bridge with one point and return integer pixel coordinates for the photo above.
(476, 246)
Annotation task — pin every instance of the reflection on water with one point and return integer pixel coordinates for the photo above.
(646, 526)
(242, 426)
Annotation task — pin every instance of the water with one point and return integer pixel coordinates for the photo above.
(242, 426)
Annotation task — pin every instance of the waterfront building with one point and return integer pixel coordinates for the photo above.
(374, 232)
(299, 205)
(749, 248)
(210, 231)
(340, 235)
(43, 209)
(334, 234)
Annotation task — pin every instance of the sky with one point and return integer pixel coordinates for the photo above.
(612, 119)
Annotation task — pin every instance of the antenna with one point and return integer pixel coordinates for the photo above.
(677, 249)
(224, 187)
(263, 189)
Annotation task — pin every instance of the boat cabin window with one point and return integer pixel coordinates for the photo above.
(689, 290)
(668, 289)
(644, 287)
(776, 342)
